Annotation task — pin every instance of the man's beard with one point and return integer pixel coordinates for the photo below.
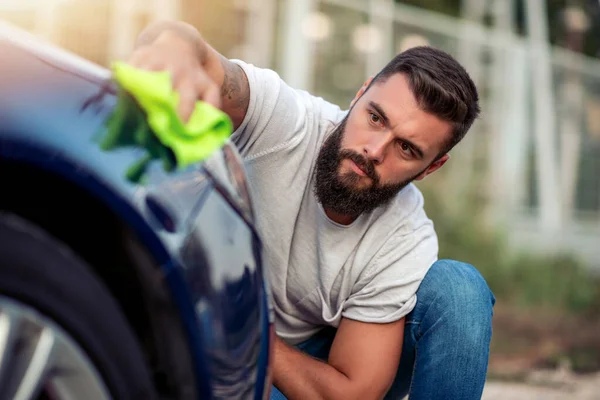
(339, 192)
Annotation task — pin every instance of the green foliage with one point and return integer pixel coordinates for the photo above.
(554, 282)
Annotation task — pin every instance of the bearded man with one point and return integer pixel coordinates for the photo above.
(364, 308)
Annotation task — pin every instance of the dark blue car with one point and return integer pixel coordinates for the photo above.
(110, 289)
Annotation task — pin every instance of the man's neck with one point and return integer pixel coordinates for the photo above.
(342, 219)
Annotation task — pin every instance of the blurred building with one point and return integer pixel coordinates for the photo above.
(105, 30)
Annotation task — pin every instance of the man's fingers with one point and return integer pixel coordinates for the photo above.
(137, 58)
(144, 58)
(148, 59)
(187, 100)
(212, 95)
(150, 64)
(188, 80)
(203, 89)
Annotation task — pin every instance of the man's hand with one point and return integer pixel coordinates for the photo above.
(362, 364)
(169, 52)
(198, 71)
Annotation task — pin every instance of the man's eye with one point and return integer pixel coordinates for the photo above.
(405, 148)
(375, 118)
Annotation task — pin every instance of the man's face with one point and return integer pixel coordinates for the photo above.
(385, 142)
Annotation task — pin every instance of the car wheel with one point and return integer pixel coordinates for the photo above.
(62, 335)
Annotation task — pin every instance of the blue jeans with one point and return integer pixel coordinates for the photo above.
(446, 338)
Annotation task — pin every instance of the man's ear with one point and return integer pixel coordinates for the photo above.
(434, 166)
(361, 91)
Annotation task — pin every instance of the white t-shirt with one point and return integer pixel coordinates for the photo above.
(321, 271)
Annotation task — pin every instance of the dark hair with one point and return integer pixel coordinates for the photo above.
(441, 86)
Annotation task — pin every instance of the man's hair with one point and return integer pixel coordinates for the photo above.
(441, 86)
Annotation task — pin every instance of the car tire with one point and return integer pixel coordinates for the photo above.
(44, 274)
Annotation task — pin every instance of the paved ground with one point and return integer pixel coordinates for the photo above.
(503, 391)
(581, 388)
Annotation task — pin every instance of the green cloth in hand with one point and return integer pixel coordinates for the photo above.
(160, 130)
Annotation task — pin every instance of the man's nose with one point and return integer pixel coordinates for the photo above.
(375, 149)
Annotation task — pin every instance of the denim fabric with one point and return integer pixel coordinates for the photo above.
(446, 338)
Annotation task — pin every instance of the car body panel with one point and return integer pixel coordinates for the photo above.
(53, 108)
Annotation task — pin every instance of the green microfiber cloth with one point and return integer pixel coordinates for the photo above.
(160, 130)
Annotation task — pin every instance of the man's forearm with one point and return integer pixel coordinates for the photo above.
(299, 376)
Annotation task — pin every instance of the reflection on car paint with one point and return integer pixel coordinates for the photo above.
(228, 299)
(209, 253)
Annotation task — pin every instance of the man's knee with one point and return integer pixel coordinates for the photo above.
(461, 282)
(459, 294)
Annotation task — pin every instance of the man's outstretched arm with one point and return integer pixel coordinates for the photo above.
(362, 364)
(199, 72)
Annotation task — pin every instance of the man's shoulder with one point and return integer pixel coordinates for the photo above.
(407, 234)
(315, 105)
(408, 205)
(402, 222)
(280, 118)
(322, 114)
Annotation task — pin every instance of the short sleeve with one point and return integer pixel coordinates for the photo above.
(276, 113)
(387, 291)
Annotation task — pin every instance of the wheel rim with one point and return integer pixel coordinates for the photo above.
(38, 357)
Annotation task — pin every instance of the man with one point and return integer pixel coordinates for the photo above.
(364, 310)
